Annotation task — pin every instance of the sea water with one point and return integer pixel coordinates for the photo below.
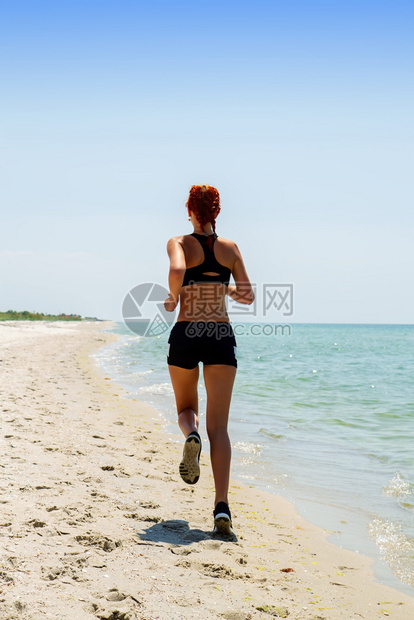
(321, 414)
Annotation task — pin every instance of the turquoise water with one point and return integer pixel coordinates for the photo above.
(322, 414)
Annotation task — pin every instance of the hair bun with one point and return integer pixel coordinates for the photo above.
(204, 202)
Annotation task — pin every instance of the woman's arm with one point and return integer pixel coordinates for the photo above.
(243, 291)
(176, 274)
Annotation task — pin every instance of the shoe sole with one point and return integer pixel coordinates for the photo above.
(222, 525)
(189, 466)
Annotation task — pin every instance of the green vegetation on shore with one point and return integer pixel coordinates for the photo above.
(12, 315)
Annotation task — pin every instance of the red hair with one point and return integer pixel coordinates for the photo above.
(204, 202)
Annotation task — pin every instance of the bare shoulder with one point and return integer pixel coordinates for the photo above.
(174, 241)
(175, 248)
(178, 239)
(226, 242)
(228, 245)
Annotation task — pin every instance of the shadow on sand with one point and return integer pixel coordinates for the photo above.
(178, 532)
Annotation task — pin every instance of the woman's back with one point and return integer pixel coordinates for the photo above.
(222, 249)
(209, 262)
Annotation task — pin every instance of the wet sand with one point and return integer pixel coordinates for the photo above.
(96, 523)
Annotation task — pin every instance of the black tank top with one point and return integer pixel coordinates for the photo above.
(197, 274)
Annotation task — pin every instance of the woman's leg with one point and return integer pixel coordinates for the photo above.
(219, 379)
(184, 383)
(185, 388)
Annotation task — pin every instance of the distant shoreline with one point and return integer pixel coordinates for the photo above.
(25, 315)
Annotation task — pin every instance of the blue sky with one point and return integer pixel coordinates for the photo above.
(300, 113)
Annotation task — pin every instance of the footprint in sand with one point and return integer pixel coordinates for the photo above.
(122, 606)
(36, 523)
(217, 571)
(181, 550)
(52, 573)
(149, 505)
(5, 578)
(98, 540)
(144, 518)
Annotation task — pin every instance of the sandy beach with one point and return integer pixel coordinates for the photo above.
(96, 523)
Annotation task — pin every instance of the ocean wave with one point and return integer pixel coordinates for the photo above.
(271, 435)
(396, 547)
(141, 373)
(161, 389)
(399, 487)
(248, 448)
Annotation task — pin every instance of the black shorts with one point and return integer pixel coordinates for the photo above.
(211, 342)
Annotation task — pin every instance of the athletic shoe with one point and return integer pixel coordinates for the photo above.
(190, 464)
(222, 520)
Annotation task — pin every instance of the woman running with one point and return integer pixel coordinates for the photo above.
(200, 267)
